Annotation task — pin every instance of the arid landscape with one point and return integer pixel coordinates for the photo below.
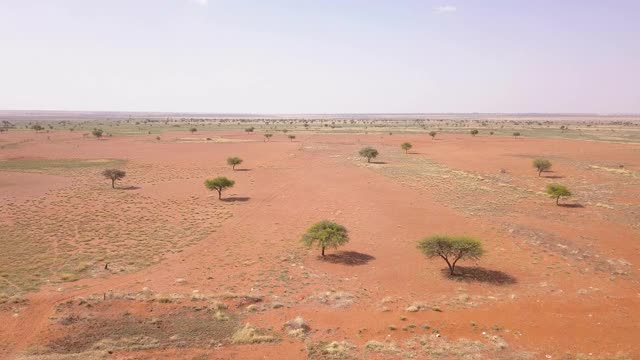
(158, 267)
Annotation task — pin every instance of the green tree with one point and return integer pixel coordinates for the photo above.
(97, 133)
(406, 147)
(291, 137)
(219, 184)
(557, 191)
(113, 175)
(233, 161)
(369, 153)
(326, 234)
(451, 249)
(433, 134)
(541, 165)
(474, 132)
(267, 136)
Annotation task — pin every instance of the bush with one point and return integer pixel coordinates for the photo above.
(474, 132)
(233, 161)
(451, 248)
(541, 165)
(113, 175)
(433, 134)
(291, 137)
(249, 130)
(516, 134)
(219, 184)
(326, 234)
(267, 136)
(369, 153)
(557, 191)
(406, 147)
(97, 133)
(193, 129)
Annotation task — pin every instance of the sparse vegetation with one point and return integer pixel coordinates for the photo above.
(541, 165)
(113, 175)
(474, 132)
(325, 234)
(267, 136)
(193, 130)
(557, 191)
(219, 184)
(97, 133)
(406, 147)
(451, 249)
(369, 153)
(249, 130)
(433, 134)
(233, 161)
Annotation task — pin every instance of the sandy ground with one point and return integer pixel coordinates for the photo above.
(555, 280)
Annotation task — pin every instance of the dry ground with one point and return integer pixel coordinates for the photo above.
(187, 272)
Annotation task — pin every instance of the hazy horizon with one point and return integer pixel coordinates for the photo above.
(334, 57)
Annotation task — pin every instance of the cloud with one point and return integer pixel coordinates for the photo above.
(200, 2)
(444, 9)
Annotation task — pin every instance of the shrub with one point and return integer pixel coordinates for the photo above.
(474, 132)
(37, 127)
(193, 129)
(369, 153)
(249, 130)
(541, 165)
(557, 191)
(113, 175)
(97, 133)
(291, 137)
(325, 234)
(516, 134)
(233, 161)
(406, 147)
(267, 136)
(433, 134)
(219, 184)
(451, 248)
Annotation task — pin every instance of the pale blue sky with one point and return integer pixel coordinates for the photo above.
(320, 56)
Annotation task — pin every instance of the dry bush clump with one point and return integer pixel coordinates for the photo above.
(297, 327)
(336, 299)
(334, 350)
(252, 335)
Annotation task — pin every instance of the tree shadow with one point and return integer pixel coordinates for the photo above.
(243, 170)
(377, 162)
(479, 274)
(351, 258)
(131, 187)
(578, 206)
(236, 199)
(553, 177)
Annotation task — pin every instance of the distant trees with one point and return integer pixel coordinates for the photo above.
(37, 127)
(474, 132)
(233, 161)
(369, 153)
(451, 249)
(113, 175)
(219, 184)
(97, 133)
(406, 147)
(557, 191)
(541, 165)
(433, 134)
(325, 234)
(267, 136)
(249, 129)
(291, 137)
(516, 134)
(193, 130)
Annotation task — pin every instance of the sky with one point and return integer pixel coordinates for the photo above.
(321, 56)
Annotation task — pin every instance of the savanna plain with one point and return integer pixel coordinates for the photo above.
(157, 266)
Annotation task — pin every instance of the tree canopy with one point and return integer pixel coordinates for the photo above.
(97, 132)
(219, 184)
(369, 153)
(557, 191)
(541, 165)
(474, 132)
(433, 134)
(113, 175)
(325, 234)
(451, 248)
(267, 136)
(406, 147)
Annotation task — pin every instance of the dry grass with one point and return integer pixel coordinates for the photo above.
(251, 335)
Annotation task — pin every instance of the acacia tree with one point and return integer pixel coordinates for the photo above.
(325, 234)
(291, 137)
(233, 161)
(451, 249)
(249, 130)
(557, 191)
(37, 127)
(113, 175)
(97, 133)
(369, 153)
(219, 184)
(267, 136)
(433, 134)
(541, 165)
(193, 130)
(474, 132)
(406, 147)
(516, 134)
